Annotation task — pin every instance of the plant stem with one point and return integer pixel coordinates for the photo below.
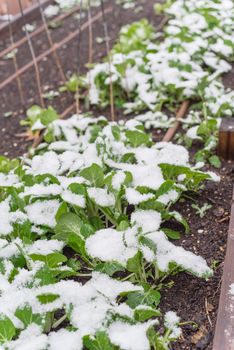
(48, 322)
(127, 277)
(59, 321)
(109, 216)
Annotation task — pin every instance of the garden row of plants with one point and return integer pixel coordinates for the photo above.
(64, 5)
(153, 71)
(103, 189)
(86, 239)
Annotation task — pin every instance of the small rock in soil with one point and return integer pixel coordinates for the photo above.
(218, 212)
(199, 335)
(202, 344)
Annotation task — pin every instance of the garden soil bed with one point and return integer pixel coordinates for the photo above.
(192, 298)
(70, 58)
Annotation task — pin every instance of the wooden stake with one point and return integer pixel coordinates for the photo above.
(179, 115)
(13, 6)
(226, 139)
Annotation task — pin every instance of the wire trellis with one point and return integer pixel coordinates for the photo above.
(106, 35)
(55, 54)
(54, 46)
(79, 38)
(30, 45)
(19, 84)
(77, 34)
(71, 36)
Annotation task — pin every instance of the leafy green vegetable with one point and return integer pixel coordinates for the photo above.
(51, 260)
(137, 138)
(8, 164)
(47, 298)
(110, 268)
(26, 316)
(68, 224)
(215, 161)
(142, 314)
(94, 174)
(148, 297)
(7, 329)
(99, 342)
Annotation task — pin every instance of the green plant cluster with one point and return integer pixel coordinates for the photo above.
(88, 179)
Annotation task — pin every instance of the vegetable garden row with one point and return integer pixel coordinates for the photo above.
(92, 219)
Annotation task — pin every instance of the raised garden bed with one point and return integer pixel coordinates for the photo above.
(14, 6)
(11, 11)
(194, 300)
(224, 327)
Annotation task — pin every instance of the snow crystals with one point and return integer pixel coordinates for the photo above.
(109, 245)
(175, 66)
(43, 212)
(101, 197)
(96, 188)
(9, 217)
(171, 321)
(168, 253)
(148, 220)
(112, 245)
(136, 338)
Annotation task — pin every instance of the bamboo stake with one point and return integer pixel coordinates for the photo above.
(55, 54)
(37, 31)
(37, 72)
(112, 107)
(68, 110)
(14, 58)
(49, 51)
(90, 58)
(90, 33)
(77, 97)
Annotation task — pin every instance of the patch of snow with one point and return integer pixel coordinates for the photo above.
(43, 212)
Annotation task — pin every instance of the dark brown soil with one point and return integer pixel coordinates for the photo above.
(192, 298)
(70, 60)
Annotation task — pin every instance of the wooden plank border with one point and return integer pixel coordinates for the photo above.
(31, 12)
(224, 332)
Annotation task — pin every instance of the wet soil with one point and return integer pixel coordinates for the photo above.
(192, 298)
(73, 56)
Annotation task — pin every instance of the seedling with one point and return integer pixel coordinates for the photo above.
(201, 211)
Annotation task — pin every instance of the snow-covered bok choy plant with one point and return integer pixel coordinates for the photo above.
(152, 70)
(90, 203)
(65, 5)
(196, 44)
